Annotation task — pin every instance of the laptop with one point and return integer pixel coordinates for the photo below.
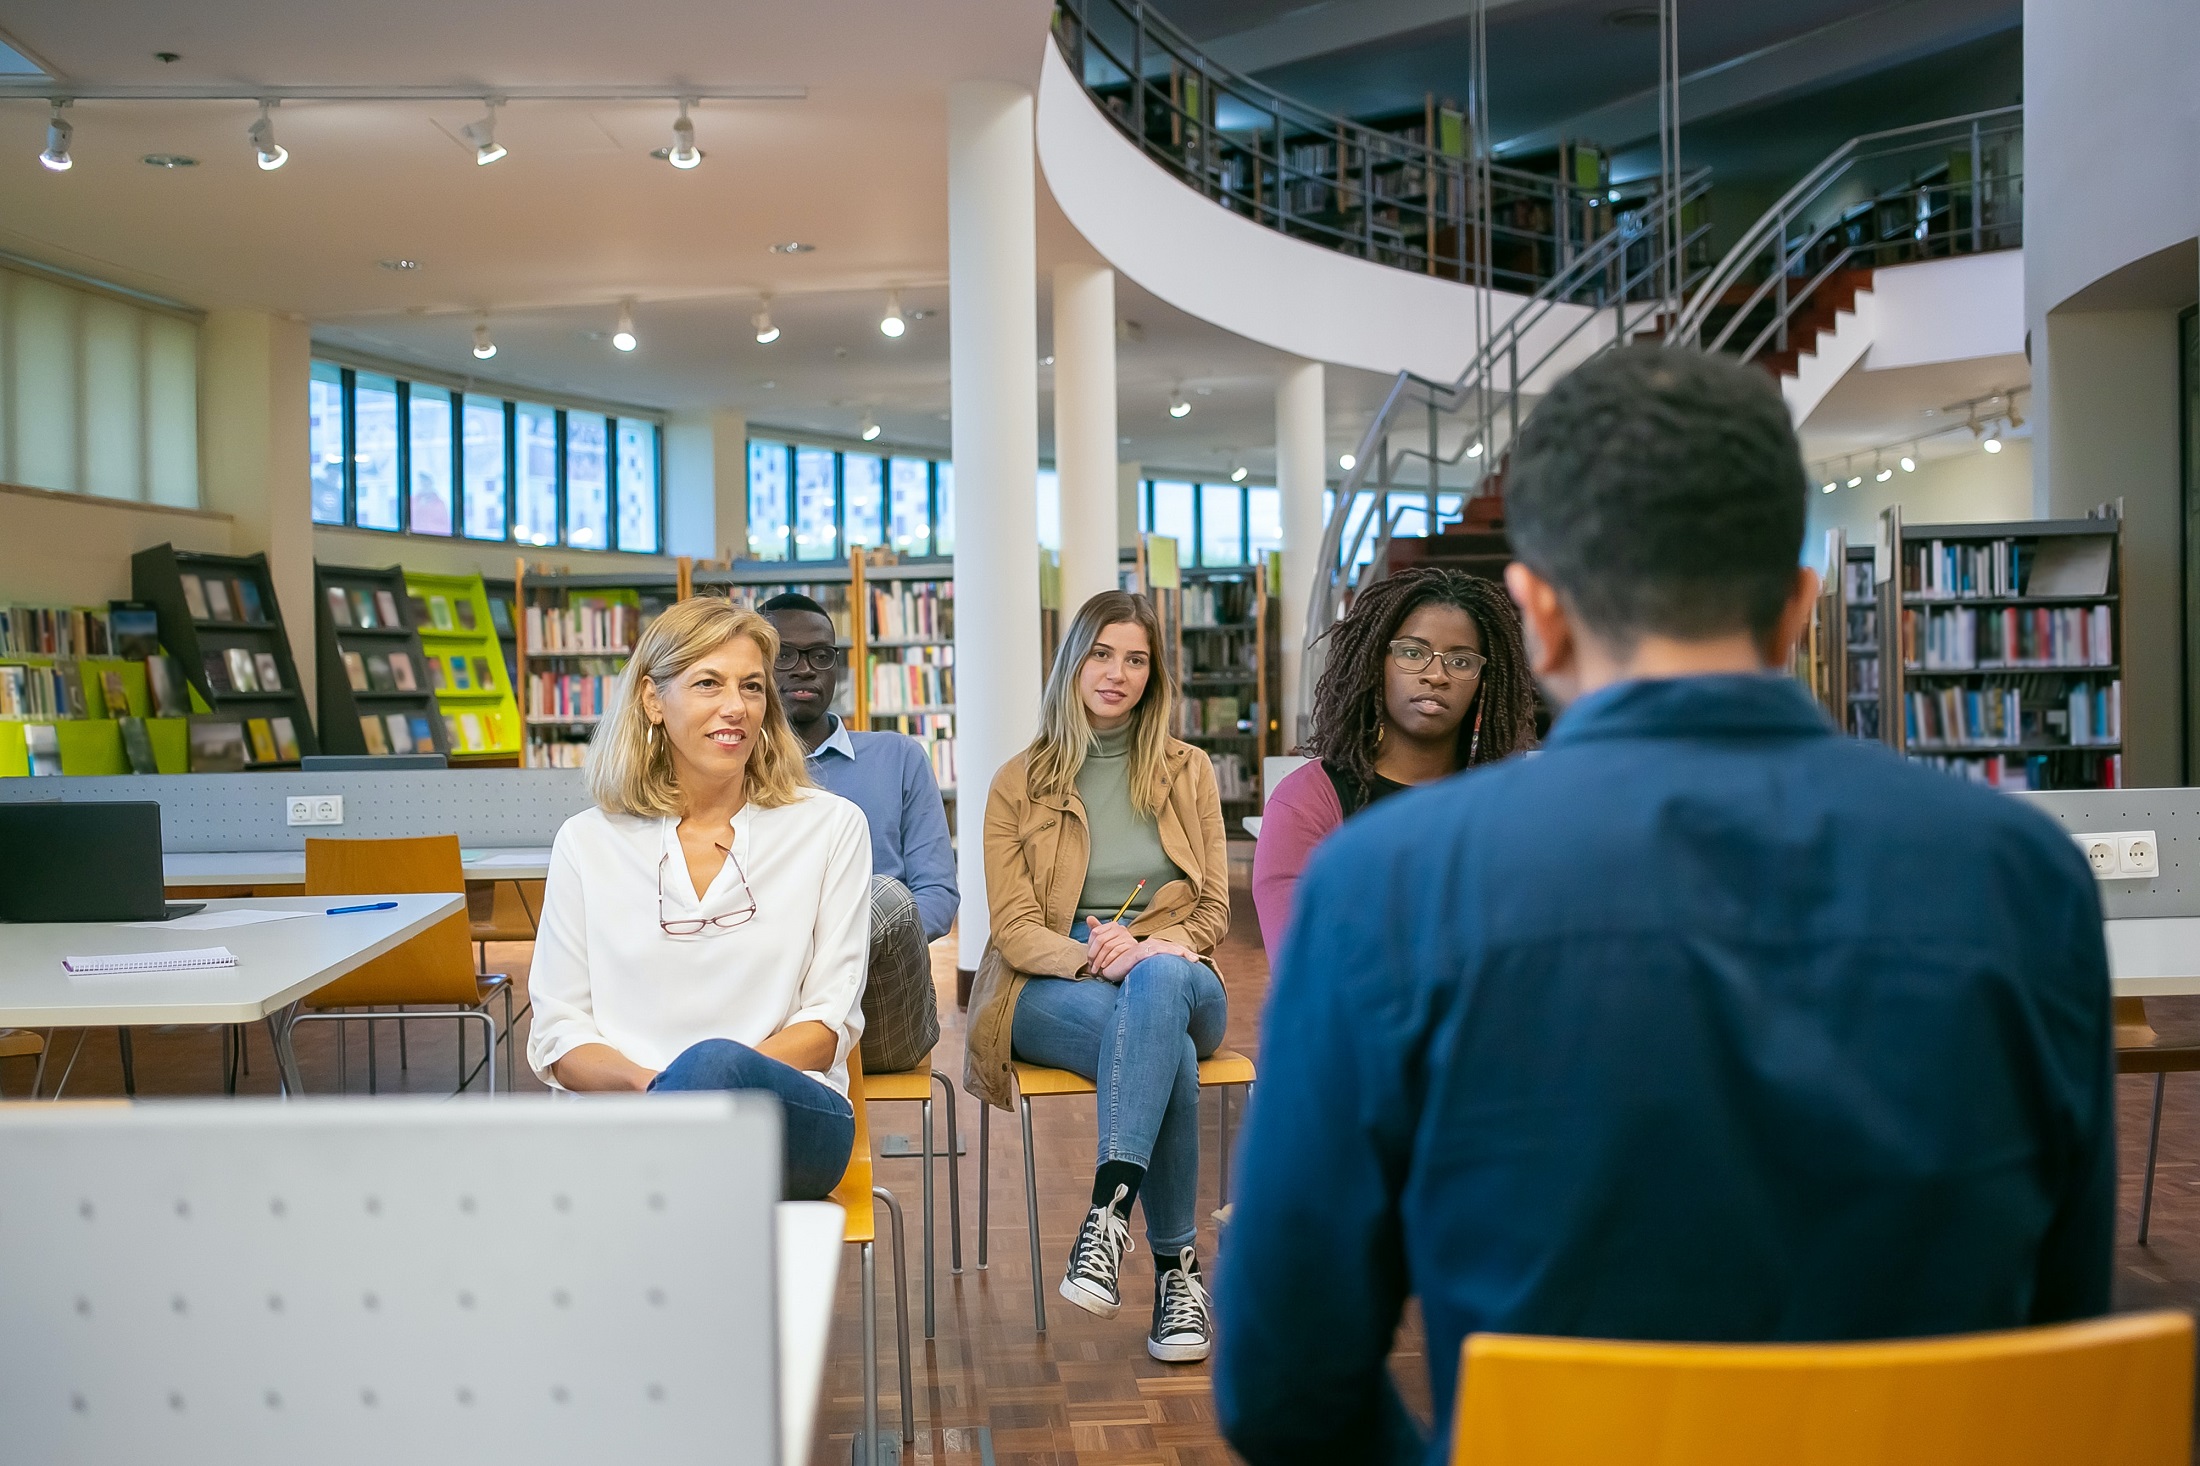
(84, 861)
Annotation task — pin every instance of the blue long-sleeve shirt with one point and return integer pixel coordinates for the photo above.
(889, 777)
(1705, 1024)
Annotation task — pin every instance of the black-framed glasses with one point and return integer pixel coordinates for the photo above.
(692, 926)
(820, 658)
(1415, 657)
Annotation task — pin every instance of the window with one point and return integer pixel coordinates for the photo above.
(768, 501)
(587, 481)
(943, 508)
(98, 394)
(863, 490)
(374, 452)
(396, 455)
(484, 465)
(1221, 524)
(1172, 516)
(1050, 510)
(1263, 522)
(535, 489)
(910, 512)
(816, 535)
(428, 432)
(637, 480)
(325, 436)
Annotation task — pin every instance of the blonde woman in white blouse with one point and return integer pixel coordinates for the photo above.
(706, 925)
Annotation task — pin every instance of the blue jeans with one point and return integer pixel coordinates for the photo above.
(818, 1128)
(1141, 1041)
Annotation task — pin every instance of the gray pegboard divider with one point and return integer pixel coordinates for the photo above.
(2173, 815)
(485, 808)
(338, 1281)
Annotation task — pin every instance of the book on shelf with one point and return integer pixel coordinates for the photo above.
(243, 675)
(401, 672)
(286, 738)
(1858, 586)
(500, 615)
(423, 734)
(385, 608)
(58, 631)
(484, 677)
(43, 743)
(355, 671)
(2060, 565)
(217, 599)
(439, 613)
(262, 737)
(913, 677)
(1968, 638)
(217, 745)
(373, 734)
(133, 631)
(75, 703)
(137, 746)
(909, 611)
(194, 597)
(339, 607)
(247, 596)
(378, 673)
(586, 627)
(164, 684)
(400, 731)
(114, 697)
(270, 675)
(467, 616)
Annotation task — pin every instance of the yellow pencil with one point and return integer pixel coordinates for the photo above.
(1127, 902)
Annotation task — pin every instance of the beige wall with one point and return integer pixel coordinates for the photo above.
(74, 550)
(1970, 487)
(438, 556)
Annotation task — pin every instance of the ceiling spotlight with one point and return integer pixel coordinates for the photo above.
(1474, 450)
(170, 161)
(1856, 480)
(1909, 464)
(1178, 406)
(399, 266)
(766, 332)
(623, 338)
(1883, 475)
(483, 346)
(1237, 475)
(1347, 462)
(483, 136)
(262, 136)
(1828, 487)
(891, 324)
(792, 247)
(683, 153)
(869, 433)
(1993, 444)
(58, 131)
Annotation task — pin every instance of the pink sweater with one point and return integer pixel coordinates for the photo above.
(1299, 814)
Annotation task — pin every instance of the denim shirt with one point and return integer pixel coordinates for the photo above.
(1706, 1024)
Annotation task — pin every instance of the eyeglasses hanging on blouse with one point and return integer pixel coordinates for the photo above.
(695, 925)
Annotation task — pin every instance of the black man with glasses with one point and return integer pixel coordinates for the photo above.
(707, 925)
(889, 777)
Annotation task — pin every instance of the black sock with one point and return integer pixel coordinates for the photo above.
(1168, 1262)
(1111, 1175)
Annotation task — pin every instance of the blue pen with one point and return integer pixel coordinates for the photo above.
(370, 906)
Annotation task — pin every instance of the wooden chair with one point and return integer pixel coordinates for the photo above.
(2140, 1050)
(501, 911)
(2108, 1390)
(1227, 1069)
(914, 1086)
(22, 1043)
(858, 1197)
(428, 969)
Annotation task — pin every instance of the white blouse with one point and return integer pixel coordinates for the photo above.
(605, 971)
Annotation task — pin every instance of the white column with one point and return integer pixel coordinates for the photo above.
(1302, 470)
(1084, 428)
(254, 369)
(993, 346)
(729, 433)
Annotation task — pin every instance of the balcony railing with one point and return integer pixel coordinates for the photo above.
(1403, 197)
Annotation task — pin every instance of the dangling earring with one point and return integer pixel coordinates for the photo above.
(1379, 726)
(1474, 743)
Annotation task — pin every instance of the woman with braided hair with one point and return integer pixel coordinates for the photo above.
(1427, 675)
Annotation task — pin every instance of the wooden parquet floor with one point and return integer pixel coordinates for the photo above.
(1086, 1394)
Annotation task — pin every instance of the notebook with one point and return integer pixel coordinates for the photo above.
(189, 960)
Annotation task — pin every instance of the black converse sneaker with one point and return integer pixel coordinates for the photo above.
(1097, 1258)
(1182, 1331)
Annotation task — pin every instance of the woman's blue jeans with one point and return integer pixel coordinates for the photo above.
(818, 1128)
(1140, 1041)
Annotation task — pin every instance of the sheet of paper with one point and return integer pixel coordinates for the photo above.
(209, 921)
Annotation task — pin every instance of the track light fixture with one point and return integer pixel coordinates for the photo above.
(1993, 441)
(483, 346)
(1474, 450)
(1347, 462)
(766, 332)
(1856, 480)
(58, 132)
(869, 431)
(1238, 474)
(1179, 405)
(683, 153)
(262, 135)
(483, 135)
(891, 325)
(1828, 487)
(623, 338)
(1909, 461)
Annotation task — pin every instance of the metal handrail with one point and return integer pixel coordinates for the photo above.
(1149, 78)
(1771, 228)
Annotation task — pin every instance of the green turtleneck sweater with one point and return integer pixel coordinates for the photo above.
(1126, 845)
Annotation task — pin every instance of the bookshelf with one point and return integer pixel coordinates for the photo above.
(502, 597)
(1859, 708)
(219, 616)
(573, 636)
(376, 693)
(2004, 645)
(465, 667)
(76, 698)
(1229, 678)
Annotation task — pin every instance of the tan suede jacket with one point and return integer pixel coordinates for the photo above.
(1035, 855)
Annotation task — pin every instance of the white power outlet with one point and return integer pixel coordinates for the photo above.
(2124, 855)
(315, 809)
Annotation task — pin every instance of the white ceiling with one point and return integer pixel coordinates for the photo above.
(1891, 409)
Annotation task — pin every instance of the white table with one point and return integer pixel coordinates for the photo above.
(809, 1237)
(2154, 956)
(278, 963)
(288, 867)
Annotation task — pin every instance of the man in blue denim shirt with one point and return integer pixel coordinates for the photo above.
(1706, 1023)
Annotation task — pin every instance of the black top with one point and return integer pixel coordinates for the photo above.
(1355, 794)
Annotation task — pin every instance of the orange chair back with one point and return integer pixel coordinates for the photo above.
(854, 1191)
(435, 967)
(2114, 1389)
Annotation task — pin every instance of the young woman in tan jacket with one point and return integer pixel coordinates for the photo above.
(1107, 875)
